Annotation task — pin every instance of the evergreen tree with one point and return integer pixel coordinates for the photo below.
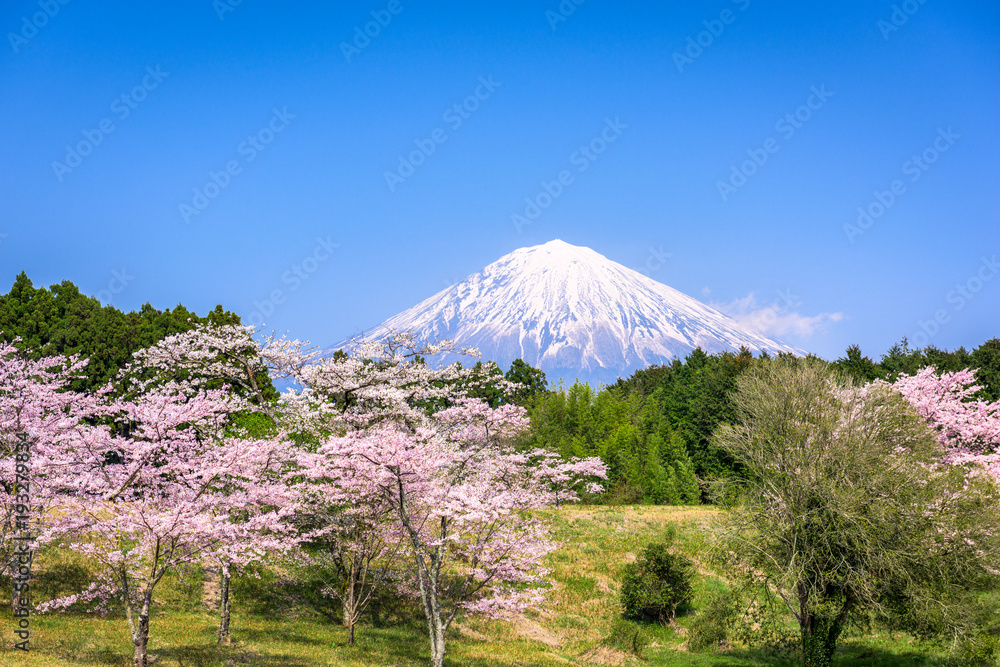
(986, 361)
(61, 320)
(531, 379)
(901, 360)
(858, 366)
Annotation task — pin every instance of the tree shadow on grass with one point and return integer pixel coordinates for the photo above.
(263, 636)
(401, 644)
(103, 656)
(190, 657)
(845, 655)
(876, 657)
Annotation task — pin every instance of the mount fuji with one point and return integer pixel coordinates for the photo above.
(573, 313)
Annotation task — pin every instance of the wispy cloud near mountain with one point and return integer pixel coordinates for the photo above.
(775, 319)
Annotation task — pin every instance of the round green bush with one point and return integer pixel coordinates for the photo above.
(657, 585)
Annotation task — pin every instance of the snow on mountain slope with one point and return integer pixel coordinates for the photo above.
(573, 313)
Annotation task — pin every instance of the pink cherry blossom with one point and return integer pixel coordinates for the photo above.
(162, 482)
(968, 428)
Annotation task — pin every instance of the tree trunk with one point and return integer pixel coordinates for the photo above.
(428, 575)
(432, 610)
(437, 639)
(437, 644)
(351, 602)
(140, 638)
(224, 607)
(434, 621)
(819, 639)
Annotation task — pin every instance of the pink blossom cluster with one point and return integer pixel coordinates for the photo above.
(458, 493)
(141, 478)
(441, 472)
(968, 427)
(153, 473)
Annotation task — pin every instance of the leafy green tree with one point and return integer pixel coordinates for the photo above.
(647, 460)
(844, 512)
(707, 405)
(986, 361)
(677, 478)
(531, 379)
(901, 360)
(62, 321)
(858, 366)
(659, 481)
(548, 423)
(687, 483)
(580, 408)
(657, 584)
(946, 361)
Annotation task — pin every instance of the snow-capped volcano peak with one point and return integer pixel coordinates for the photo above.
(573, 313)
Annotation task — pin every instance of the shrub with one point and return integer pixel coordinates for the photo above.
(627, 638)
(982, 649)
(750, 617)
(710, 628)
(657, 584)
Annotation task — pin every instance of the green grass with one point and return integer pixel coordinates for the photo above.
(578, 627)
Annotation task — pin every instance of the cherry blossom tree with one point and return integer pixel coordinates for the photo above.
(460, 495)
(375, 384)
(356, 541)
(160, 491)
(399, 451)
(37, 412)
(36, 409)
(400, 438)
(968, 428)
(211, 356)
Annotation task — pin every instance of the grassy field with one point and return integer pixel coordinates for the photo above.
(575, 629)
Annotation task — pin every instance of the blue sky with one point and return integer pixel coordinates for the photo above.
(725, 147)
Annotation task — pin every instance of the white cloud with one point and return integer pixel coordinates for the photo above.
(775, 319)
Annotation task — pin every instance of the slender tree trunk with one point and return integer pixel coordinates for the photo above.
(350, 602)
(428, 575)
(224, 608)
(437, 646)
(438, 626)
(428, 595)
(437, 653)
(140, 633)
(435, 627)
